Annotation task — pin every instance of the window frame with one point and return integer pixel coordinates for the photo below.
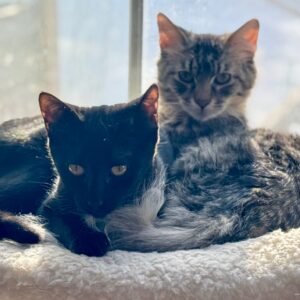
(136, 16)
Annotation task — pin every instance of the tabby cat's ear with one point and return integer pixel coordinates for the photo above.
(170, 37)
(245, 38)
(149, 102)
(55, 111)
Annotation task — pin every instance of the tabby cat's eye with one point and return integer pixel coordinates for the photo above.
(118, 170)
(76, 170)
(185, 76)
(222, 78)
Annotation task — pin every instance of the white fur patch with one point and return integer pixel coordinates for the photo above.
(91, 222)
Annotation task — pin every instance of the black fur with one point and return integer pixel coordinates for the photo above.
(12, 227)
(25, 168)
(95, 138)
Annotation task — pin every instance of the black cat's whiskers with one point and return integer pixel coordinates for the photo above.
(41, 183)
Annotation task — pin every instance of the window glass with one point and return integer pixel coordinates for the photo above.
(77, 50)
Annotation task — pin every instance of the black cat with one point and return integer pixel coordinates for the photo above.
(102, 159)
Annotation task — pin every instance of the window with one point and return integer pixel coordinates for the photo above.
(77, 50)
(83, 51)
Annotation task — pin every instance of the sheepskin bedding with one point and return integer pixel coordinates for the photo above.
(263, 268)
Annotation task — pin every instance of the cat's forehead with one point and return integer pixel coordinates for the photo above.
(206, 46)
(104, 122)
(200, 50)
(107, 113)
(203, 54)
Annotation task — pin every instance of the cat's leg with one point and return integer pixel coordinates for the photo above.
(73, 231)
(14, 228)
(165, 149)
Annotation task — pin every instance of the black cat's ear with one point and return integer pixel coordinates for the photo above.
(149, 103)
(55, 111)
(245, 38)
(170, 37)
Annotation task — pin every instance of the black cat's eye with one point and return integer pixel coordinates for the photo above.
(222, 78)
(118, 170)
(185, 76)
(76, 170)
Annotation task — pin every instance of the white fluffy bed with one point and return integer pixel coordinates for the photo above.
(264, 268)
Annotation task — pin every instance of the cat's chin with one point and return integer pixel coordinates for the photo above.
(202, 115)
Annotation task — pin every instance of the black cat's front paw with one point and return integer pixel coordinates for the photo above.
(91, 244)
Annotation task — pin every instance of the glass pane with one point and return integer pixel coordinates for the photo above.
(77, 50)
(275, 100)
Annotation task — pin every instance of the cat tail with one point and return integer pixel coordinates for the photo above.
(128, 224)
(16, 228)
(137, 228)
(128, 231)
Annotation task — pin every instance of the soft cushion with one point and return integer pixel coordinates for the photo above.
(267, 267)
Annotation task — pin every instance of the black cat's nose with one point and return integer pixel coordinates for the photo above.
(203, 102)
(93, 206)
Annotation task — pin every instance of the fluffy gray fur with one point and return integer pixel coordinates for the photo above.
(224, 182)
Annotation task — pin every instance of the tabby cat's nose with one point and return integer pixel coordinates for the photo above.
(203, 102)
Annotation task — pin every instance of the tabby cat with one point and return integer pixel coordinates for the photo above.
(225, 182)
(102, 159)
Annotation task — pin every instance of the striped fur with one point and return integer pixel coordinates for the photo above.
(224, 182)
